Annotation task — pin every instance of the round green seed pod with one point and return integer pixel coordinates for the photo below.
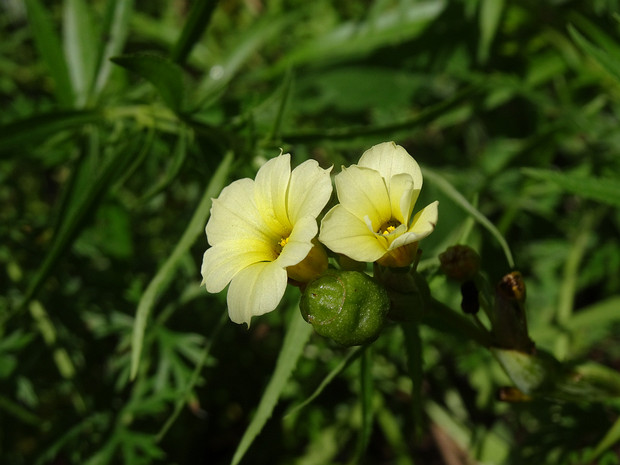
(346, 306)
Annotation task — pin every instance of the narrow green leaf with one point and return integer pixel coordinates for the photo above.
(597, 35)
(348, 40)
(445, 319)
(608, 441)
(74, 219)
(81, 45)
(49, 49)
(389, 421)
(608, 62)
(603, 190)
(599, 315)
(182, 400)
(21, 414)
(366, 397)
(351, 356)
(248, 43)
(34, 129)
(286, 90)
(488, 20)
(178, 158)
(448, 189)
(164, 275)
(528, 372)
(196, 24)
(166, 76)
(116, 30)
(568, 285)
(413, 346)
(95, 422)
(425, 116)
(296, 337)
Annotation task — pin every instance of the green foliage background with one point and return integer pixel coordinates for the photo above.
(122, 119)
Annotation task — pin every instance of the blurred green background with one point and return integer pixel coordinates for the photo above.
(122, 119)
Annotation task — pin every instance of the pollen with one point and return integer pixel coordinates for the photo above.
(283, 242)
(388, 227)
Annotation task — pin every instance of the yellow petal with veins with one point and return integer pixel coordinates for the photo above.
(362, 192)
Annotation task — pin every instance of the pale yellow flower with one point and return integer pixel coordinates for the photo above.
(373, 221)
(260, 229)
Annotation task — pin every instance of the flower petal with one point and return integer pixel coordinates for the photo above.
(234, 215)
(422, 225)
(299, 242)
(309, 190)
(362, 192)
(343, 232)
(271, 185)
(222, 262)
(390, 159)
(256, 290)
(402, 197)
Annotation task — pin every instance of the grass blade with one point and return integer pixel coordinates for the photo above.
(448, 189)
(116, 31)
(196, 24)
(490, 14)
(353, 39)
(611, 438)
(375, 132)
(296, 337)
(75, 218)
(171, 172)
(603, 190)
(232, 60)
(366, 398)
(165, 274)
(343, 365)
(32, 130)
(166, 76)
(50, 51)
(607, 61)
(194, 378)
(81, 48)
(413, 346)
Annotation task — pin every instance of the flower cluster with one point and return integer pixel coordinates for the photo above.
(263, 232)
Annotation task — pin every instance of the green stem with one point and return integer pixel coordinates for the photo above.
(413, 346)
(424, 117)
(442, 315)
(612, 437)
(366, 395)
(568, 289)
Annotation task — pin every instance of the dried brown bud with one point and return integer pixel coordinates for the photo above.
(460, 262)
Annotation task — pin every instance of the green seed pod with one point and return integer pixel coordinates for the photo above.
(346, 306)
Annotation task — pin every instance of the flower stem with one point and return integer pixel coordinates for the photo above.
(440, 315)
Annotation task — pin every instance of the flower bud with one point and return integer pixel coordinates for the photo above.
(460, 262)
(510, 321)
(346, 306)
(400, 257)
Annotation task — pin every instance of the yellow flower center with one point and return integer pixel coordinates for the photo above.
(388, 227)
(279, 246)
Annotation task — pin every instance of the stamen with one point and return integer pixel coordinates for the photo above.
(283, 242)
(388, 227)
